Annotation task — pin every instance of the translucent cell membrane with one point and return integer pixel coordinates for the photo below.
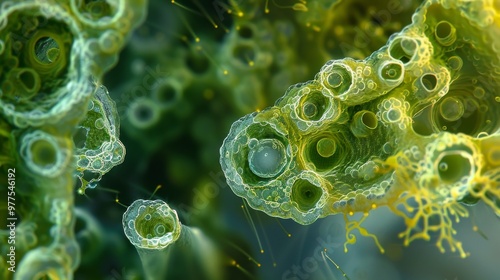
(363, 123)
(44, 154)
(98, 147)
(143, 113)
(163, 243)
(338, 79)
(267, 157)
(451, 109)
(151, 224)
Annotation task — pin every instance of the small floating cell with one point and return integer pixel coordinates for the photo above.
(326, 147)
(451, 109)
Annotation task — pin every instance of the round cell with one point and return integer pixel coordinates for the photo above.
(391, 72)
(143, 113)
(44, 153)
(453, 166)
(310, 110)
(313, 106)
(339, 79)
(267, 158)
(479, 92)
(326, 147)
(167, 94)
(493, 156)
(363, 123)
(455, 63)
(393, 115)
(445, 33)
(306, 195)
(47, 50)
(451, 109)
(428, 82)
(151, 224)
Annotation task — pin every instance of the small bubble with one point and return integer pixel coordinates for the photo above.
(443, 166)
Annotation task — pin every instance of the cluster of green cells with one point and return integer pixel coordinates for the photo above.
(51, 54)
(413, 126)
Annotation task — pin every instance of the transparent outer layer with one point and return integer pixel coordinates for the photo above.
(151, 224)
(98, 147)
(417, 120)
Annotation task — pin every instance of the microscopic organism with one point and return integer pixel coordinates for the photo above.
(161, 241)
(413, 126)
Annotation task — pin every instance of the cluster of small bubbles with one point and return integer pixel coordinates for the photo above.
(100, 149)
(151, 224)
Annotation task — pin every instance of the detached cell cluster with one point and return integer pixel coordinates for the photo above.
(52, 53)
(414, 126)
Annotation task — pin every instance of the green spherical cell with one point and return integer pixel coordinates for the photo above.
(326, 147)
(310, 110)
(451, 109)
(267, 158)
(143, 113)
(445, 33)
(151, 224)
(391, 72)
(479, 92)
(48, 51)
(453, 166)
(313, 105)
(43, 153)
(305, 195)
(455, 63)
(363, 123)
(167, 93)
(339, 79)
(393, 115)
(428, 82)
(324, 152)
